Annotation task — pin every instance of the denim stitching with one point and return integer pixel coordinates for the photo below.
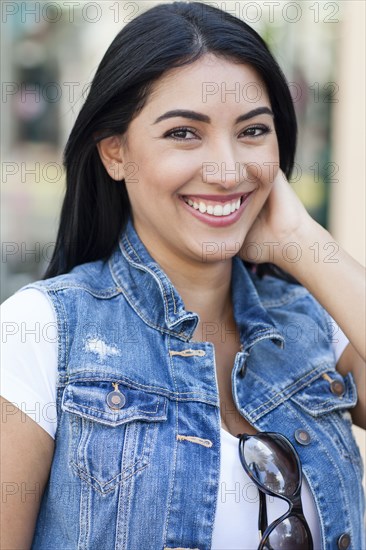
(106, 420)
(150, 389)
(62, 351)
(84, 443)
(273, 400)
(126, 523)
(86, 478)
(74, 436)
(125, 237)
(153, 270)
(162, 288)
(63, 334)
(354, 459)
(58, 287)
(265, 334)
(83, 440)
(296, 384)
(128, 436)
(165, 330)
(334, 405)
(175, 453)
(83, 531)
(82, 407)
(62, 328)
(289, 297)
(113, 481)
(157, 279)
(142, 316)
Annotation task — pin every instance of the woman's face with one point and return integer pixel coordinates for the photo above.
(185, 172)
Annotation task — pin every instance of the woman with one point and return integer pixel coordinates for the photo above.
(168, 344)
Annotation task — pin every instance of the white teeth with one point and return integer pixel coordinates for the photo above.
(217, 209)
(227, 209)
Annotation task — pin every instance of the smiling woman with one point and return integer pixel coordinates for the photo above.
(242, 139)
(173, 338)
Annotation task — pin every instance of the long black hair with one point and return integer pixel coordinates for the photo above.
(96, 207)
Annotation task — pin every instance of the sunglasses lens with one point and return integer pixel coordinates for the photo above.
(289, 534)
(272, 463)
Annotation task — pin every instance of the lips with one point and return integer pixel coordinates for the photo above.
(215, 205)
(216, 210)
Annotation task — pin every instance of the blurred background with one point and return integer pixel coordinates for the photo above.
(50, 51)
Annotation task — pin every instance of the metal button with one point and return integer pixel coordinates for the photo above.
(344, 541)
(337, 387)
(116, 400)
(302, 437)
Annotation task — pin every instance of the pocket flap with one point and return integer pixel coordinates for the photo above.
(88, 399)
(317, 398)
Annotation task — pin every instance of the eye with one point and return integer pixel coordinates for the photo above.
(180, 134)
(257, 131)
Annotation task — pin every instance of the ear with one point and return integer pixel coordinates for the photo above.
(110, 152)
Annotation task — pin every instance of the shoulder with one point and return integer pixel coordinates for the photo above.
(93, 277)
(27, 304)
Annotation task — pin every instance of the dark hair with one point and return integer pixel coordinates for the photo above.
(96, 207)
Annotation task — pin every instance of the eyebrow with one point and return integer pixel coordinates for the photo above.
(204, 118)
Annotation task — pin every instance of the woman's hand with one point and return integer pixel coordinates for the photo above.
(280, 222)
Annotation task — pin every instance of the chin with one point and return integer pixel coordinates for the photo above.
(219, 250)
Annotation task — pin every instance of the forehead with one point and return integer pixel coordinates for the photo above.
(209, 80)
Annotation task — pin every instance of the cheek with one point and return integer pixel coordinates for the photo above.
(164, 177)
(174, 168)
(263, 165)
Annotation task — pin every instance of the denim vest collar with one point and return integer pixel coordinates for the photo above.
(154, 298)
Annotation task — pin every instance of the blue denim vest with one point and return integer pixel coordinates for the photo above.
(140, 470)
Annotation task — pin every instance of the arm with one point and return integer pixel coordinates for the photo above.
(26, 457)
(334, 278)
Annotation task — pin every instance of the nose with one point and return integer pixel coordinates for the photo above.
(226, 172)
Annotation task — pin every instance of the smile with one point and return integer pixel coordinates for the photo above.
(216, 210)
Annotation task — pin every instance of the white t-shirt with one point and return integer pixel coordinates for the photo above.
(28, 379)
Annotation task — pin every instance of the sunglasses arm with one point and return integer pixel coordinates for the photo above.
(262, 516)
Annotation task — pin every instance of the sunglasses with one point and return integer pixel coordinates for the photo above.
(272, 463)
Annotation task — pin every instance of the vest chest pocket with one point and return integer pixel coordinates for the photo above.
(327, 393)
(112, 434)
(328, 399)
